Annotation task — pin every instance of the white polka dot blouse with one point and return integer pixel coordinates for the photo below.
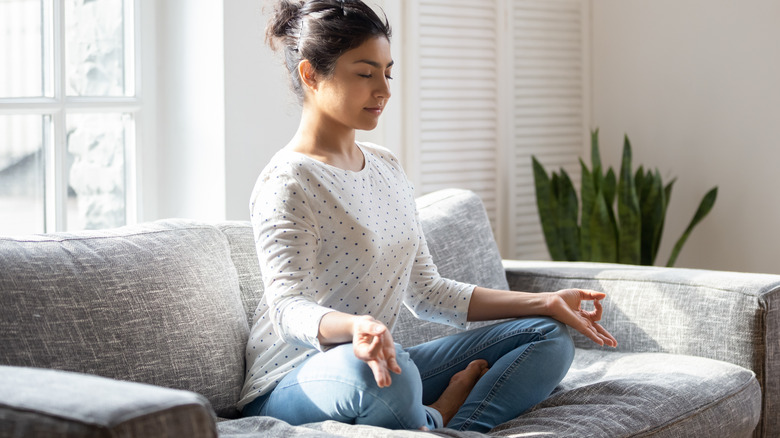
(331, 239)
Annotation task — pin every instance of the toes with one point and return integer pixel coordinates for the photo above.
(473, 371)
(479, 367)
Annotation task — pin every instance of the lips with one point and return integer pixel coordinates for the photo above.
(377, 110)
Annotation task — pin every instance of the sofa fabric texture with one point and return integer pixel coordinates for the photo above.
(154, 303)
(726, 316)
(162, 312)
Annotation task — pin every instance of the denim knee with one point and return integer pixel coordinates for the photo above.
(398, 406)
(559, 345)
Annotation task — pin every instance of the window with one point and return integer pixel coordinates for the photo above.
(490, 84)
(68, 111)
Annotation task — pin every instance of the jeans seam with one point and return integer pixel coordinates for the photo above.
(481, 347)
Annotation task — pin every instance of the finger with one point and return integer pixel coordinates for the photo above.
(611, 341)
(393, 366)
(375, 347)
(599, 310)
(389, 354)
(378, 329)
(590, 295)
(367, 348)
(589, 331)
(594, 336)
(381, 375)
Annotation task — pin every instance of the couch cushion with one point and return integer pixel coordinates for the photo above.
(155, 303)
(242, 250)
(46, 403)
(607, 394)
(458, 233)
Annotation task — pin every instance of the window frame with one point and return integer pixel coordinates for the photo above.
(55, 104)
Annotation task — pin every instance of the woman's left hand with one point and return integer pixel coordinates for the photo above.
(565, 306)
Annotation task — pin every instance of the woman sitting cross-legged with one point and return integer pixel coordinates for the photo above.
(341, 250)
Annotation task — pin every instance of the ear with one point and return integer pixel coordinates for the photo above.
(307, 74)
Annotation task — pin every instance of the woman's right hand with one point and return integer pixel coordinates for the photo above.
(373, 344)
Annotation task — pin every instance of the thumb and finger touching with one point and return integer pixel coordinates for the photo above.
(374, 345)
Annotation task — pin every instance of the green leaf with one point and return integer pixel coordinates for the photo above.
(630, 231)
(568, 211)
(548, 210)
(588, 192)
(667, 196)
(705, 206)
(639, 178)
(595, 155)
(603, 232)
(652, 204)
(610, 188)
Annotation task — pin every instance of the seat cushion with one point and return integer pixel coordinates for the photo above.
(155, 303)
(607, 394)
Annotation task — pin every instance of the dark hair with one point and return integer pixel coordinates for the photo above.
(320, 31)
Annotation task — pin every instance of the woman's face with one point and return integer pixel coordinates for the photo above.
(358, 90)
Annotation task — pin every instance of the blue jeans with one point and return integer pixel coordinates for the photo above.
(528, 357)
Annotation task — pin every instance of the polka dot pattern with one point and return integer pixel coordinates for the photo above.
(331, 239)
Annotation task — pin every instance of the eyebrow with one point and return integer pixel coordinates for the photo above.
(373, 63)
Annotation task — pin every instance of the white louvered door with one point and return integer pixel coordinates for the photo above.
(550, 109)
(455, 133)
(488, 83)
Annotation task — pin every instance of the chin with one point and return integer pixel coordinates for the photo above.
(367, 126)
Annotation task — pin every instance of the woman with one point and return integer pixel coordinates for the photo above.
(341, 250)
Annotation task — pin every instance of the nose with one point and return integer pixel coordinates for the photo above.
(383, 88)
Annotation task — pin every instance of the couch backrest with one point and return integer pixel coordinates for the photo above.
(155, 303)
(459, 236)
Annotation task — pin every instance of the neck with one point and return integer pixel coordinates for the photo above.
(326, 141)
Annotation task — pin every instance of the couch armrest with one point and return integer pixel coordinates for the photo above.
(728, 316)
(51, 403)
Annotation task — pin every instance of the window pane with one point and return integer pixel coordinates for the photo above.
(95, 47)
(96, 176)
(20, 48)
(21, 175)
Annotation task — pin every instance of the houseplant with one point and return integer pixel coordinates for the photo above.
(620, 218)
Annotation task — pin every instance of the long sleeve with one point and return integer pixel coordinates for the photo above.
(286, 236)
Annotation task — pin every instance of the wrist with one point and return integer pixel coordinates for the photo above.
(550, 303)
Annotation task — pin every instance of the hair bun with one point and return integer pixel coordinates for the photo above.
(283, 21)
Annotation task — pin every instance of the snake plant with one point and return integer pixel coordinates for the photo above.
(591, 229)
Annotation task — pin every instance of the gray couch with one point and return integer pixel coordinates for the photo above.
(140, 331)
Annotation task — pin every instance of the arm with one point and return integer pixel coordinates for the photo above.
(564, 305)
(286, 238)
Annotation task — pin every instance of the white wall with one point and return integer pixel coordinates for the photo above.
(696, 86)
(260, 113)
(190, 125)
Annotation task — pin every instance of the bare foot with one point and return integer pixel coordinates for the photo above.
(459, 388)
